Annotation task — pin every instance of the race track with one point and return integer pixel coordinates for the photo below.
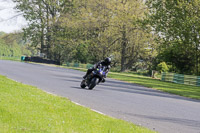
(143, 106)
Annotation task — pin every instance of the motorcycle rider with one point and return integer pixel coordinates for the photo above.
(104, 63)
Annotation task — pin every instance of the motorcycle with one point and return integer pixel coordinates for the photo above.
(94, 78)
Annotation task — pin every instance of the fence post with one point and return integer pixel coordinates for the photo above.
(153, 74)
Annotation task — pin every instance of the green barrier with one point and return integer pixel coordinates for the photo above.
(81, 65)
(169, 77)
(163, 76)
(181, 79)
(22, 58)
(89, 66)
(68, 64)
(84, 65)
(76, 65)
(198, 80)
(190, 80)
(178, 78)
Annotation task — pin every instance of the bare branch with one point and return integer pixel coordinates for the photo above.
(11, 17)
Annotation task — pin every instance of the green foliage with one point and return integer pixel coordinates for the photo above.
(178, 89)
(61, 29)
(170, 34)
(2, 33)
(44, 29)
(81, 54)
(177, 25)
(12, 45)
(162, 67)
(182, 61)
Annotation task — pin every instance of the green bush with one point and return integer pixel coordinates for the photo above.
(162, 67)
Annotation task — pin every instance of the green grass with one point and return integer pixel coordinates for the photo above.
(178, 89)
(24, 108)
(10, 58)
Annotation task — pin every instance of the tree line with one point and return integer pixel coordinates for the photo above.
(135, 33)
(88, 30)
(12, 45)
(176, 22)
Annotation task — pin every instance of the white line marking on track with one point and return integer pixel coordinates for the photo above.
(89, 108)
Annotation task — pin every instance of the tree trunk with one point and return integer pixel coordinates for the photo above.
(196, 53)
(48, 34)
(123, 51)
(42, 40)
(42, 29)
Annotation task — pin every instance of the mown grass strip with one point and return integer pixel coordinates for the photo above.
(178, 89)
(10, 58)
(24, 108)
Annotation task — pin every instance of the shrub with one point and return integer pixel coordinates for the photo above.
(162, 67)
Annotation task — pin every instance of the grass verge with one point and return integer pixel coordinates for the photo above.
(178, 89)
(24, 108)
(10, 58)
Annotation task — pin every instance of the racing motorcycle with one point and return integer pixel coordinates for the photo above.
(94, 78)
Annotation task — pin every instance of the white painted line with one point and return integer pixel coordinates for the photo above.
(51, 93)
(98, 112)
(87, 107)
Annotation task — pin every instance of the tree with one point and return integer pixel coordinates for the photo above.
(42, 16)
(110, 26)
(162, 67)
(177, 25)
(62, 29)
(133, 40)
(13, 45)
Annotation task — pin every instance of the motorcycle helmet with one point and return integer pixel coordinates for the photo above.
(107, 61)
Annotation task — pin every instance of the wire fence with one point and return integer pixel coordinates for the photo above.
(87, 66)
(181, 78)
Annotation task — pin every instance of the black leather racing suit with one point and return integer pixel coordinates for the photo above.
(97, 65)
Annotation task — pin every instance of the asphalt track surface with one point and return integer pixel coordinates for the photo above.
(143, 106)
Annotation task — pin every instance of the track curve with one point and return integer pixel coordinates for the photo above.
(143, 106)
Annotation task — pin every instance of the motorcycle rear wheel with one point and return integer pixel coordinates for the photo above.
(83, 84)
(93, 83)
